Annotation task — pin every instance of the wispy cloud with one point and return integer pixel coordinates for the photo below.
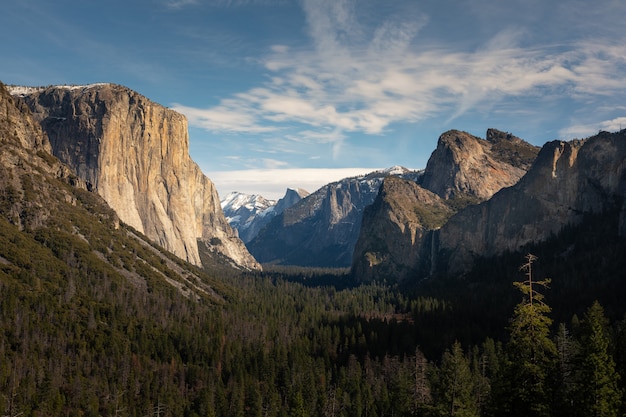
(178, 4)
(359, 78)
(230, 116)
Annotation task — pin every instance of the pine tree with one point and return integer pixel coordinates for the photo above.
(485, 365)
(567, 349)
(525, 388)
(455, 387)
(597, 392)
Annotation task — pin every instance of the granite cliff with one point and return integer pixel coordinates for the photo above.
(393, 229)
(466, 166)
(398, 233)
(567, 181)
(134, 153)
(61, 241)
(27, 168)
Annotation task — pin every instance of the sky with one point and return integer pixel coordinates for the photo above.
(299, 93)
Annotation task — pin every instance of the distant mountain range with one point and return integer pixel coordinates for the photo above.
(321, 229)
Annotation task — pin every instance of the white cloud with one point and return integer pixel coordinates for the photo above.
(614, 125)
(584, 130)
(274, 163)
(272, 183)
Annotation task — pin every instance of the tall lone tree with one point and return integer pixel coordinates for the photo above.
(525, 387)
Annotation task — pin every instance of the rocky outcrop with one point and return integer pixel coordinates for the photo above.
(398, 237)
(135, 154)
(567, 180)
(322, 229)
(291, 197)
(465, 166)
(394, 230)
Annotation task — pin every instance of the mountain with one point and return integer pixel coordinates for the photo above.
(135, 154)
(249, 213)
(53, 228)
(27, 167)
(98, 320)
(242, 209)
(397, 233)
(567, 182)
(322, 229)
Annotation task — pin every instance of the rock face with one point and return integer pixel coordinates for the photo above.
(399, 235)
(393, 230)
(567, 180)
(135, 154)
(322, 229)
(464, 165)
(18, 126)
(27, 168)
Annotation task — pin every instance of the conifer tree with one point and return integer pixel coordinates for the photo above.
(597, 392)
(525, 388)
(455, 387)
(567, 349)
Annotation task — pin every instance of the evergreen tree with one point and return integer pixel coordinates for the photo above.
(454, 388)
(597, 392)
(524, 388)
(567, 349)
(485, 365)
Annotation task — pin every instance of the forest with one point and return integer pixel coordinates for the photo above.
(520, 335)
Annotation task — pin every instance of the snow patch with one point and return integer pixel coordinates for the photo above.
(22, 90)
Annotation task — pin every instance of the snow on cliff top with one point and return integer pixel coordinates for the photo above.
(21, 90)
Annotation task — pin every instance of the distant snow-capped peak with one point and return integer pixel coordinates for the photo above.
(235, 201)
(248, 213)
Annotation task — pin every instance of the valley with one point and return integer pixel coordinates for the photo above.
(124, 290)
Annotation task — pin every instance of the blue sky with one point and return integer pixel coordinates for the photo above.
(298, 93)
